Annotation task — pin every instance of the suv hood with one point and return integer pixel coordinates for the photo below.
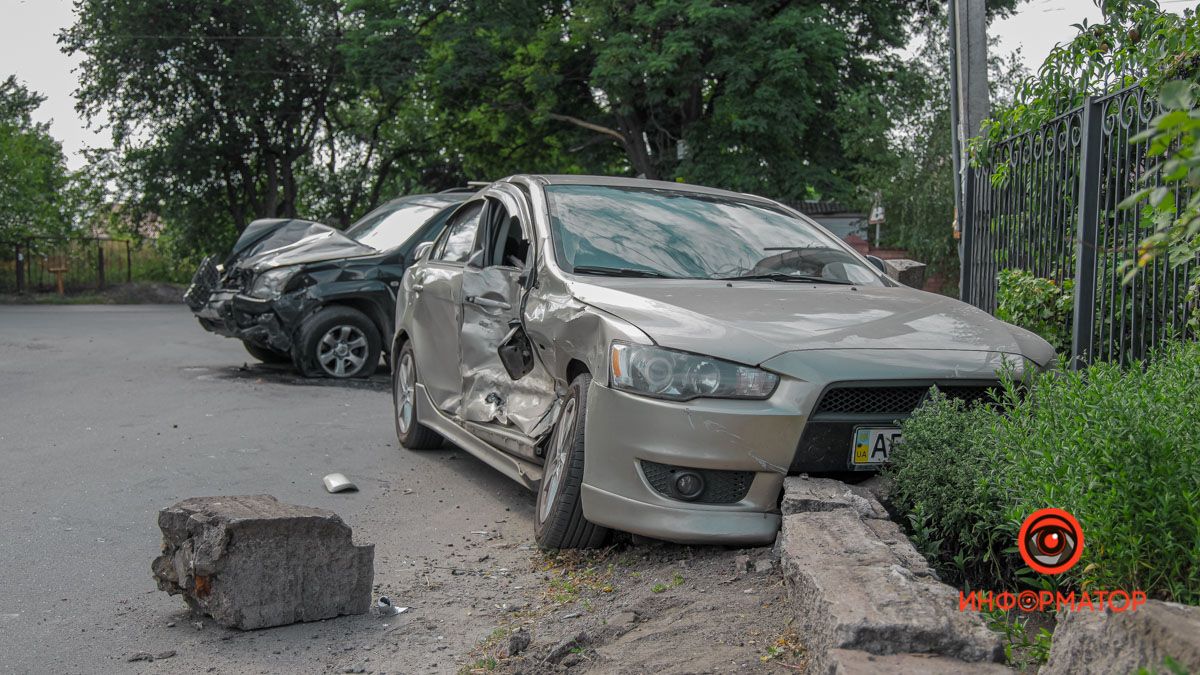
(750, 322)
(271, 243)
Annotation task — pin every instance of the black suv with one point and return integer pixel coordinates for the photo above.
(299, 291)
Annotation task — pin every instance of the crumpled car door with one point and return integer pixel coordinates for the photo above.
(503, 381)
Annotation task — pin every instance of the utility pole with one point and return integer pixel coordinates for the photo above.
(969, 104)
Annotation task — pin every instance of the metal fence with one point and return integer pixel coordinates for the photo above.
(1047, 201)
(34, 264)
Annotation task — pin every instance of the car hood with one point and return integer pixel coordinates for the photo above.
(266, 244)
(751, 322)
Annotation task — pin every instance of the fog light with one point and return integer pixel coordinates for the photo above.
(688, 485)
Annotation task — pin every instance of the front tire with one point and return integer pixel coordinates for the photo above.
(411, 433)
(338, 342)
(559, 521)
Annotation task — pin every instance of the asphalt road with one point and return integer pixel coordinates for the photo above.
(109, 413)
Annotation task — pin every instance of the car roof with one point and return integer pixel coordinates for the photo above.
(622, 181)
(438, 199)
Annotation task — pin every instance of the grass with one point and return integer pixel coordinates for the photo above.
(676, 581)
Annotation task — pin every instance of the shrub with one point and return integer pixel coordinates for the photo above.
(1038, 305)
(941, 485)
(1117, 448)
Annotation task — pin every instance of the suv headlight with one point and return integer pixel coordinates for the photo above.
(680, 376)
(270, 284)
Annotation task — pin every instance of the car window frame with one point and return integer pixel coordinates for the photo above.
(439, 245)
(491, 232)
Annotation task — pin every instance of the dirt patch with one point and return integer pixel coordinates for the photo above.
(136, 293)
(646, 608)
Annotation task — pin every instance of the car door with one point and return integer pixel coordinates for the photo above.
(503, 382)
(437, 307)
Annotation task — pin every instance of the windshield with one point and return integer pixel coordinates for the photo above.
(643, 232)
(391, 225)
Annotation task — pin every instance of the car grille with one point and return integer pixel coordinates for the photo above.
(204, 282)
(720, 487)
(893, 400)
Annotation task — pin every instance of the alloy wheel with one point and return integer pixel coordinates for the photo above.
(405, 385)
(556, 458)
(342, 351)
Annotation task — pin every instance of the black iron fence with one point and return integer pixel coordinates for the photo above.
(35, 264)
(1046, 202)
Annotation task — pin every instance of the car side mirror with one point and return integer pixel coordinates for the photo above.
(476, 260)
(422, 250)
(878, 263)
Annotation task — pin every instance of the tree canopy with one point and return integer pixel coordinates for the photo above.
(33, 173)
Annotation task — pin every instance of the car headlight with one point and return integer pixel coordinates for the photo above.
(680, 376)
(270, 284)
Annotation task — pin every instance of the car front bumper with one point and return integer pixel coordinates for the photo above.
(246, 318)
(630, 438)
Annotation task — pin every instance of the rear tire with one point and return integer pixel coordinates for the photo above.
(558, 518)
(266, 354)
(411, 433)
(338, 342)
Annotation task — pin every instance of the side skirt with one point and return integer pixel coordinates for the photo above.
(523, 472)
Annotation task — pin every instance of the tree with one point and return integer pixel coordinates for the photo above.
(223, 112)
(33, 173)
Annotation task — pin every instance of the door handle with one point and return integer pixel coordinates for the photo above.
(488, 302)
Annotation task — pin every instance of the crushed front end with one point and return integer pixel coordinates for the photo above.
(222, 303)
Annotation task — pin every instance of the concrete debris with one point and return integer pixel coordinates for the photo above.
(562, 649)
(519, 641)
(858, 584)
(336, 482)
(253, 562)
(1126, 642)
(908, 272)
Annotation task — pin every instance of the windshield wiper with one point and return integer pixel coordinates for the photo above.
(781, 276)
(618, 272)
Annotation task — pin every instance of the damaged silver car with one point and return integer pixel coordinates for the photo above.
(296, 291)
(655, 357)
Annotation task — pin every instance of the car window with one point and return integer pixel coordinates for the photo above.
(460, 234)
(509, 246)
(679, 234)
(392, 225)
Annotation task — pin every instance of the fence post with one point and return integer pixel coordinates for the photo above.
(128, 263)
(966, 227)
(20, 258)
(1083, 330)
(100, 263)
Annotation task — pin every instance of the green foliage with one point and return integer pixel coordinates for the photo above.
(33, 173)
(955, 516)
(1020, 650)
(1038, 305)
(1116, 448)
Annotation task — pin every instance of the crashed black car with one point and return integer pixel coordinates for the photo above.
(295, 290)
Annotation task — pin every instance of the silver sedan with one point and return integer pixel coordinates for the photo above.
(655, 357)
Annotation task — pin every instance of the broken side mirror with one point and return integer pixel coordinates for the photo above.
(422, 250)
(878, 263)
(516, 352)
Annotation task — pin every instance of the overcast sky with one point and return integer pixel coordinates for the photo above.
(28, 49)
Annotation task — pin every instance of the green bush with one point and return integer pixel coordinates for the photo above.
(1038, 305)
(1117, 448)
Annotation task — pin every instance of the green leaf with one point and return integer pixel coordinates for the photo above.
(1177, 95)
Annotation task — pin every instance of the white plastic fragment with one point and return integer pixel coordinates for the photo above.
(336, 482)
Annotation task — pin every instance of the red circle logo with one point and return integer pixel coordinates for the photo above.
(1050, 541)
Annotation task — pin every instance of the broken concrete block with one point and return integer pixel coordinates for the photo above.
(908, 272)
(802, 494)
(1124, 642)
(253, 562)
(851, 590)
(846, 662)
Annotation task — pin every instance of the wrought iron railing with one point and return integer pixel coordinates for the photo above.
(1046, 201)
